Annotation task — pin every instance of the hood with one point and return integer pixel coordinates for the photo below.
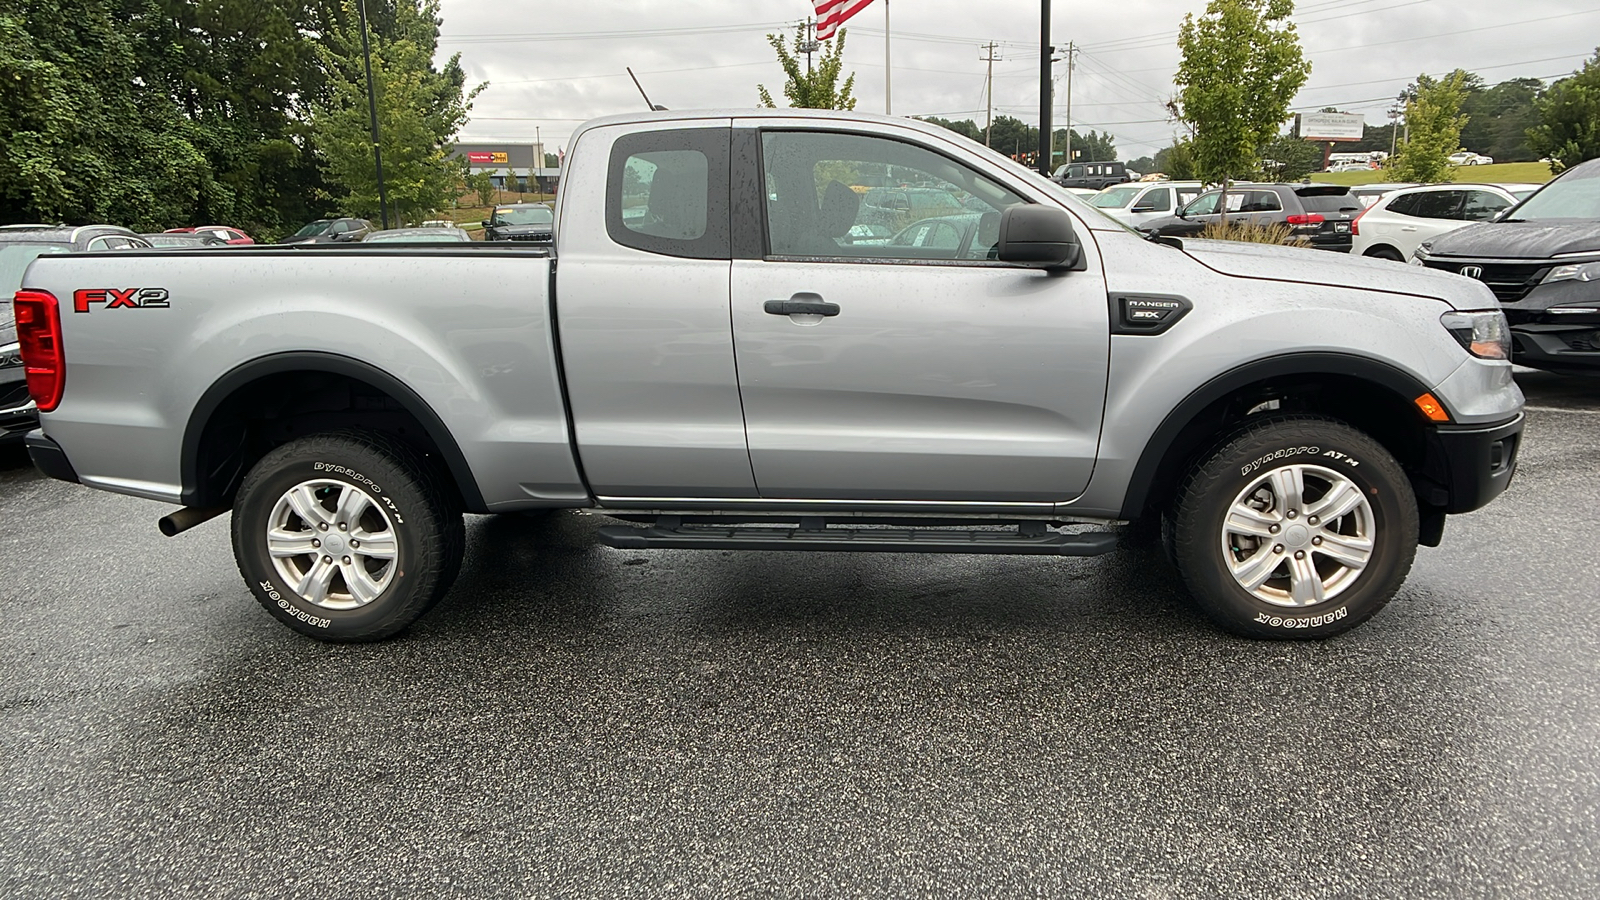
(1519, 240)
(521, 229)
(1301, 265)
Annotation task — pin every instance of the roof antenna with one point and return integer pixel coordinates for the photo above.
(641, 90)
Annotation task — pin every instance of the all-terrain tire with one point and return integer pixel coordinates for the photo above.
(303, 512)
(1240, 512)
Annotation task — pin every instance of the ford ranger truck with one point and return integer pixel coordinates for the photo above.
(720, 350)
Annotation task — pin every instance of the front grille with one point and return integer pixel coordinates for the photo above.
(1509, 281)
(13, 395)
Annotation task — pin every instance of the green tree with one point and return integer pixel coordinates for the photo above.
(1569, 118)
(482, 184)
(1241, 66)
(818, 88)
(420, 110)
(966, 127)
(1290, 159)
(1498, 119)
(1177, 161)
(1434, 120)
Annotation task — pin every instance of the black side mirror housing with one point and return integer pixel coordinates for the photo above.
(486, 223)
(1139, 209)
(1038, 235)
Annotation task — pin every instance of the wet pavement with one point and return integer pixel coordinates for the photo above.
(575, 720)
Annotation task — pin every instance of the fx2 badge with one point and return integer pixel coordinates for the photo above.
(115, 298)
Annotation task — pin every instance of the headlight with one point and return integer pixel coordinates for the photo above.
(1574, 272)
(10, 356)
(1484, 333)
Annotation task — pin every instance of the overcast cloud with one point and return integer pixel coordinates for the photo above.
(1363, 52)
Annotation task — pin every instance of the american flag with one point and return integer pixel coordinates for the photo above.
(833, 13)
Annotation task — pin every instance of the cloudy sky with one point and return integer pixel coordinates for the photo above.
(551, 66)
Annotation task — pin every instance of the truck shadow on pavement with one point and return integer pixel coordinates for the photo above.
(523, 573)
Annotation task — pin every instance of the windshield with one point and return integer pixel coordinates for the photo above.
(523, 215)
(1575, 195)
(14, 259)
(1115, 198)
(315, 228)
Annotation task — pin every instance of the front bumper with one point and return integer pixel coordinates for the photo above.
(1469, 465)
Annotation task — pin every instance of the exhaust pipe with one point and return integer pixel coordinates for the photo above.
(187, 518)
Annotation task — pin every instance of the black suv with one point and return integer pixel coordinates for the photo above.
(331, 231)
(1541, 258)
(520, 222)
(1092, 175)
(1317, 215)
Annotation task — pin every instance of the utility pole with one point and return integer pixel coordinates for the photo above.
(1044, 88)
(886, 65)
(372, 113)
(1394, 127)
(1072, 50)
(809, 44)
(988, 105)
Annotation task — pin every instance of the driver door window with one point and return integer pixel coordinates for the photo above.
(825, 199)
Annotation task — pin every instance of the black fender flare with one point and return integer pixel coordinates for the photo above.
(1404, 386)
(333, 364)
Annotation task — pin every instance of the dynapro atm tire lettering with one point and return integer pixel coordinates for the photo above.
(119, 298)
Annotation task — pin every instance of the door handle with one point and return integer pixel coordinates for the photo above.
(793, 307)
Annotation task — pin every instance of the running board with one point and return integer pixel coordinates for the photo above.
(862, 540)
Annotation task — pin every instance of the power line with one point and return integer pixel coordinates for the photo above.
(624, 34)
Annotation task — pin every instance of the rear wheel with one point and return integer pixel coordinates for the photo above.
(348, 536)
(1297, 527)
(1385, 253)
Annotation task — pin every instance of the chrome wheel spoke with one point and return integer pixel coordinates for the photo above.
(1340, 500)
(1346, 550)
(283, 543)
(378, 545)
(361, 583)
(1253, 571)
(303, 500)
(314, 585)
(1305, 585)
(1289, 488)
(352, 503)
(1246, 519)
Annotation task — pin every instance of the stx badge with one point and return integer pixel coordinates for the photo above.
(132, 298)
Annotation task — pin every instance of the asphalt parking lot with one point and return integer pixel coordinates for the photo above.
(575, 720)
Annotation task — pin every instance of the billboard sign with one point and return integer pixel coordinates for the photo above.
(1331, 126)
(489, 158)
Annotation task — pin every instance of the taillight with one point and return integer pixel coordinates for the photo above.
(1308, 219)
(1355, 224)
(39, 333)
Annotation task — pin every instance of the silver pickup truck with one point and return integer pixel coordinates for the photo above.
(782, 330)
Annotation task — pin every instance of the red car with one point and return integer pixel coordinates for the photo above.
(221, 232)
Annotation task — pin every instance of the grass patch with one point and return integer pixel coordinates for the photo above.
(1530, 172)
(1250, 234)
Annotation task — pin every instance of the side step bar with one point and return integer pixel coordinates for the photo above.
(1025, 541)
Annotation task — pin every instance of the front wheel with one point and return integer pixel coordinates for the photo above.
(348, 536)
(1297, 527)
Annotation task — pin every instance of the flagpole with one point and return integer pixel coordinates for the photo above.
(886, 58)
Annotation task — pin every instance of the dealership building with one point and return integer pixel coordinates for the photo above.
(510, 165)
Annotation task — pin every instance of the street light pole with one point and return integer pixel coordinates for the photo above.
(1044, 88)
(372, 114)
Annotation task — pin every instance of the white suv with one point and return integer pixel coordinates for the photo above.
(1138, 202)
(1393, 227)
(1468, 158)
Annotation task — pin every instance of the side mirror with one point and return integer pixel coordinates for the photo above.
(486, 223)
(1038, 235)
(1143, 208)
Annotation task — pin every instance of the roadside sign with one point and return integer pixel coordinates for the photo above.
(1331, 126)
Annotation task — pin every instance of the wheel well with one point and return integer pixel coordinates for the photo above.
(1375, 409)
(243, 418)
(1382, 251)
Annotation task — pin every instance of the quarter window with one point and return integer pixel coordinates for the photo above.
(667, 192)
(824, 199)
(1481, 205)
